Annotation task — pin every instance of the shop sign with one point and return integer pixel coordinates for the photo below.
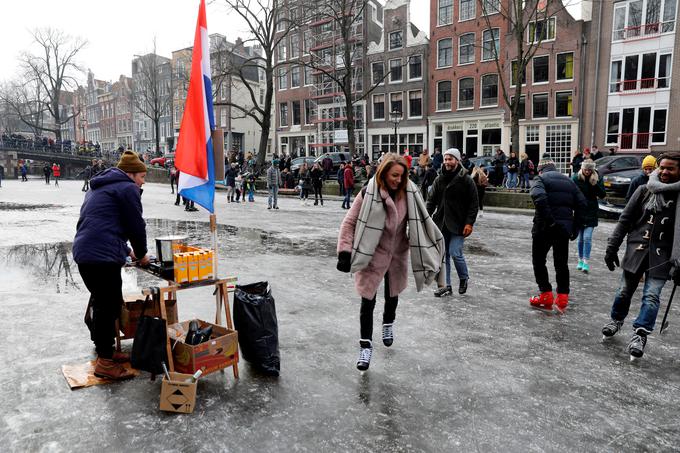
(454, 127)
(491, 125)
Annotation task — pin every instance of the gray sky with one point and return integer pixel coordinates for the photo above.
(118, 29)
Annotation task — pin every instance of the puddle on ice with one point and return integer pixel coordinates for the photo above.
(5, 206)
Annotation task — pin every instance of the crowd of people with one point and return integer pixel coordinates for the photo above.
(48, 144)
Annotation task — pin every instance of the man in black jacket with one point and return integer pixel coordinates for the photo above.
(652, 250)
(559, 207)
(453, 205)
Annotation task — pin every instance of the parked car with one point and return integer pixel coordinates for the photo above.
(337, 159)
(619, 162)
(296, 163)
(618, 182)
(163, 161)
(486, 161)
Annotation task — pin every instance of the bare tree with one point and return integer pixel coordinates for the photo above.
(46, 75)
(529, 23)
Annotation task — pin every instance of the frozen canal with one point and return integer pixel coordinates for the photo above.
(481, 372)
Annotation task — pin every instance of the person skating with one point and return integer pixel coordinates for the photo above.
(341, 179)
(453, 204)
(24, 173)
(273, 184)
(110, 216)
(305, 183)
(317, 175)
(648, 166)
(87, 175)
(591, 186)
(373, 244)
(230, 180)
(56, 172)
(47, 171)
(348, 184)
(649, 224)
(559, 207)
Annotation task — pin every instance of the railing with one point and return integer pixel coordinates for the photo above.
(639, 86)
(643, 31)
(630, 141)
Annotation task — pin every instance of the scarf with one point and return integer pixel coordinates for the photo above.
(593, 180)
(426, 242)
(656, 203)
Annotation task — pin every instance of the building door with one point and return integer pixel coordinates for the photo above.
(454, 139)
(533, 151)
(471, 146)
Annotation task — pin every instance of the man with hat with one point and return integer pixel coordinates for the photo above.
(453, 205)
(111, 215)
(648, 166)
(560, 206)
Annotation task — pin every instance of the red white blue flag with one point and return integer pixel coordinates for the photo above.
(194, 155)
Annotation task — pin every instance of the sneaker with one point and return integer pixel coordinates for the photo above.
(561, 302)
(611, 328)
(443, 291)
(636, 347)
(276, 207)
(586, 268)
(108, 369)
(269, 207)
(580, 265)
(462, 288)
(388, 334)
(365, 352)
(544, 300)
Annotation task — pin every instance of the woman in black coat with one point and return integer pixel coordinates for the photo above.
(317, 182)
(592, 188)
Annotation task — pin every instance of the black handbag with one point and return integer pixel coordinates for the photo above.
(149, 346)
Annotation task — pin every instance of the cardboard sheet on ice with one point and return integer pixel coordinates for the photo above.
(82, 375)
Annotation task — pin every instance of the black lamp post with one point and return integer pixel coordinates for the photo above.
(395, 117)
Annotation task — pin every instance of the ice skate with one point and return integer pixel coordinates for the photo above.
(544, 301)
(443, 291)
(636, 347)
(365, 352)
(611, 328)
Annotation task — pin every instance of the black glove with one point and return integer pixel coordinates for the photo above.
(611, 259)
(344, 261)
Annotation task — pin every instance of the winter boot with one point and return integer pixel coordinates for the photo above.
(561, 302)
(107, 368)
(636, 347)
(580, 265)
(388, 334)
(121, 357)
(462, 287)
(586, 267)
(611, 328)
(365, 352)
(443, 291)
(544, 300)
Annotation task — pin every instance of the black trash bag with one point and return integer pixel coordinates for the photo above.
(258, 331)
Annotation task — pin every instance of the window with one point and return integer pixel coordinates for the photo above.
(489, 90)
(281, 50)
(396, 104)
(280, 25)
(283, 114)
(541, 65)
(558, 145)
(396, 40)
(395, 70)
(659, 127)
(612, 128)
(515, 68)
(563, 104)
(466, 93)
(565, 66)
(615, 77)
(445, 12)
(415, 67)
(296, 113)
(283, 79)
(466, 49)
(308, 112)
(444, 53)
(295, 46)
(542, 30)
(307, 41)
(533, 134)
(659, 17)
(295, 77)
(444, 95)
(664, 80)
(467, 10)
(378, 71)
(415, 104)
(309, 79)
(522, 107)
(540, 106)
(378, 107)
(491, 44)
(491, 6)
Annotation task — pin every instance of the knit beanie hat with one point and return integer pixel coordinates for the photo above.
(545, 161)
(453, 152)
(588, 164)
(649, 161)
(130, 163)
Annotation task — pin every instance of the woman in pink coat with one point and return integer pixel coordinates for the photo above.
(389, 259)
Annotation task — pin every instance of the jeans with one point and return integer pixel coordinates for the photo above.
(317, 194)
(454, 249)
(251, 194)
(230, 193)
(348, 196)
(104, 283)
(585, 241)
(512, 180)
(273, 197)
(304, 194)
(541, 243)
(525, 183)
(366, 312)
(649, 307)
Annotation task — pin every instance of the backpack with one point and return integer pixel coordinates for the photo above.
(531, 167)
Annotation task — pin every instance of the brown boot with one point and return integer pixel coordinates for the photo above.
(121, 357)
(107, 368)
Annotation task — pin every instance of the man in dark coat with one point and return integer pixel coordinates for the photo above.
(648, 166)
(649, 221)
(327, 166)
(110, 216)
(437, 159)
(560, 206)
(453, 205)
(47, 171)
(230, 179)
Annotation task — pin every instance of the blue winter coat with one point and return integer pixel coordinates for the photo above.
(557, 201)
(111, 215)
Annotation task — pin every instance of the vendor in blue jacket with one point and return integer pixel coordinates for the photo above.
(111, 215)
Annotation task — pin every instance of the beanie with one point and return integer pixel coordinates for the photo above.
(649, 161)
(453, 152)
(130, 163)
(545, 161)
(588, 164)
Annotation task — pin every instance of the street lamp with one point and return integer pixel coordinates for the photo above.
(395, 117)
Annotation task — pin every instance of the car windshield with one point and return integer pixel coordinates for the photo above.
(605, 160)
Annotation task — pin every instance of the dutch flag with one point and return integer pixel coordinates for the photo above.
(194, 155)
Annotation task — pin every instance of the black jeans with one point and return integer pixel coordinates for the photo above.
(481, 191)
(317, 194)
(366, 313)
(105, 285)
(542, 241)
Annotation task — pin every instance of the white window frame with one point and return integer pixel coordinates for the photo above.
(451, 53)
(458, 107)
(473, 12)
(439, 82)
(295, 51)
(278, 78)
(307, 80)
(281, 114)
(493, 41)
(618, 127)
(460, 46)
(547, 114)
(573, 64)
(401, 80)
(281, 51)
(408, 74)
(481, 90)
(572, 104)
(651, 127)
(409, 104)
(384, 118)
(299, 77)
(439, 21)
(292, 112)
(548, 38)
(486, 11)
(402, 101)
(525, 75)
(533, 70)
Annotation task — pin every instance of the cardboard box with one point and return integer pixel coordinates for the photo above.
(177, 395)
(192, 264)
(205, 265)
(180, 268)
(132, 309)
(219, 352)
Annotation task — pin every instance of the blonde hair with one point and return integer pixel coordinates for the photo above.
(388, 161)
(523, 156)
